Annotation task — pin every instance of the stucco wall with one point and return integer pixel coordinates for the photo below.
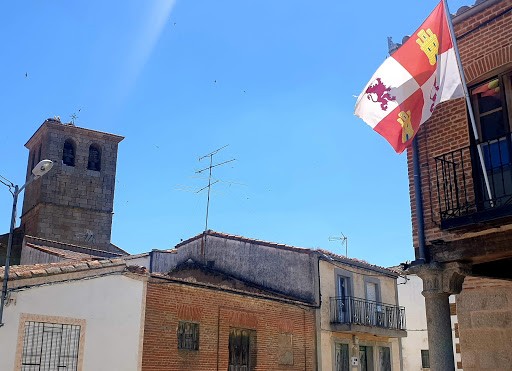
(287, 271)
(111, 307)
(328, 337)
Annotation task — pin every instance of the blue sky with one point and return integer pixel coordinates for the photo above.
(274, 79)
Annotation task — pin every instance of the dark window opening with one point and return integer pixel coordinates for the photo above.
(384, 359)
(68, 153)
(366, 358)
(492, 106)
(39, 154)
(94, 162)
(242, 350)
(50, 346)
(342, 357)
(188, 335)
(425, 359)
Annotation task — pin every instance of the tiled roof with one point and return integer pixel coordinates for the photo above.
(18, 272)
(65, 254)
(358, 262)
(64, 248)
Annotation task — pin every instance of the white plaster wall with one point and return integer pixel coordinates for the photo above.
(142, 261)
(110, 305)
(410, 297)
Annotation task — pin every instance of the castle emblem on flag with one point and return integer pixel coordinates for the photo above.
(379, 93)
(404, 119)
(429, 44)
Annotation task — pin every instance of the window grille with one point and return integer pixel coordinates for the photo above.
(188, 335)
(425, 359)
(50, 346)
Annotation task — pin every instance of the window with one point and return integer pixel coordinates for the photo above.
(366, 358)
(384, 359)
(343, 304)
(425, 359)
(68, 153)
(50, 346)
(94, 162)
(492, 106)
(374, 310)
(342, 357)
(188, 335)
(285, 346)
(242, 350)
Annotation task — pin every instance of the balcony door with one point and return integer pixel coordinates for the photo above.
(342, 299)
(492, 105)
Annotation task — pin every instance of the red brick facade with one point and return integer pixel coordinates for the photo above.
(217, 311)
(485, 45)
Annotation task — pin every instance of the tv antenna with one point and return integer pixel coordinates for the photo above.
(344, 240)
(209, 168)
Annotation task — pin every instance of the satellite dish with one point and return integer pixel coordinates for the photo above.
(42, 168)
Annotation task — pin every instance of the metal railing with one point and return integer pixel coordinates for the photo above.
(367, 313)
(459, 179)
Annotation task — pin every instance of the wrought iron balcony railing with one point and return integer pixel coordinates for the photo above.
(461, 192)
(350, 310)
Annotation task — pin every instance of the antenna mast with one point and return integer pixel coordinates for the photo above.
(209, 186)
(344, 240)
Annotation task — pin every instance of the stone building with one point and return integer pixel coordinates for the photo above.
(466, 208)
(73, 204)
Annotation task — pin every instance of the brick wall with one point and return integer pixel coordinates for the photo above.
(71, 203)
(217, 312)
(485, 46)
(484, 312)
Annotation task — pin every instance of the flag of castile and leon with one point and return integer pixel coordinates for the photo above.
(406, 88)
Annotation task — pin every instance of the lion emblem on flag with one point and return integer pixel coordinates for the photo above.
(378, 92)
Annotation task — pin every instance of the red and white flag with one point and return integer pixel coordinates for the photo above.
(404, 91)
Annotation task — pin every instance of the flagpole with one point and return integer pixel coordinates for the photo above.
(468, 100)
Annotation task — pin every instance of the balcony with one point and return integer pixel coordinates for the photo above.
(360, 315)
(460, 187)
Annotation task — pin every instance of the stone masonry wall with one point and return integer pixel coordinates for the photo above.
(484, 312)
(74, 204)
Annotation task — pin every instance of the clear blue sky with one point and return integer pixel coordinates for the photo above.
(274, 79)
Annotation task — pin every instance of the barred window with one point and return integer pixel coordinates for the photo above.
(50, 346)
(425, 359)
(188, 335)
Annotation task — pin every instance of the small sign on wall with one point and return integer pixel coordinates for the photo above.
(355, 361)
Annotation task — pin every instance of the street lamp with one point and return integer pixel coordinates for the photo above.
(38, 171)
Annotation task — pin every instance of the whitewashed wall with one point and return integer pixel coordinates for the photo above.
(111, 307)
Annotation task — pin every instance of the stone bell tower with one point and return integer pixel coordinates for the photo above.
(73, 203)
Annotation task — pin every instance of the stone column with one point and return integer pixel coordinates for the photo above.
(439, 282)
